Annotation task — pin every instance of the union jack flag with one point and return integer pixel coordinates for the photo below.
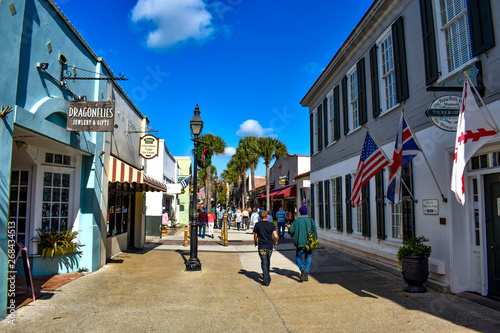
(405, 149)
(371, 161)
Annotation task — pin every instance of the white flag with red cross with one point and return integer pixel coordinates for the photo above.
(473, 131)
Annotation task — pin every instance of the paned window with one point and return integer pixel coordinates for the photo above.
(359, 215)
(353, 98)
(57, 159)
(455, 25)
(388, 72)
(55, 201)
(335, 202)
(397, 220)
(18, 205)
(331, 115)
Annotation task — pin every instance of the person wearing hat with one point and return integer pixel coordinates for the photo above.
(299, 229)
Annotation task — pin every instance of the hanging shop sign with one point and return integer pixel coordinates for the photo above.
(443, 112)
(88, 116)
(149, 146)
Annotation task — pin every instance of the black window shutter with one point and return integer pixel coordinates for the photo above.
(325, 120)
(345, 105)
(380, 204)
(374, 81)
(360, 69)
(327, 204)
(429, 41)
(398, 36)
(365, 210)
(348, 204)
(320, 126)
(312, 201)
(320, 205)
(336, 113)
(311, 135)
(340, 217)
(481, 26)
(407, 201)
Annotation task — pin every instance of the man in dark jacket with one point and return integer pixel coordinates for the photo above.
(265, 235)
(202, 222)
(299, 229)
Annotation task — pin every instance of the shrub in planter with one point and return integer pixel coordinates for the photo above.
(52, 242)
(413, 259)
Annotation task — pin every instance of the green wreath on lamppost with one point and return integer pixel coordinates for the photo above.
(204, 156)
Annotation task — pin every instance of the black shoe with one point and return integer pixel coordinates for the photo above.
(303, 275)
(306, 278)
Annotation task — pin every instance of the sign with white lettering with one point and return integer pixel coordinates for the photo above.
(88, 116)
(443, 112)
(149, 146)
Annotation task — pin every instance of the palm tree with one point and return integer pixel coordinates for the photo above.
(241, 160)
(250, 146)
(270, 148)
(217, 145)
(230, 177)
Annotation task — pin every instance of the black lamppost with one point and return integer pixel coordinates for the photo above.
(194, 264)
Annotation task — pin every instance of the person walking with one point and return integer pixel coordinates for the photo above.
(299, 229)
(254, 218)
(238, 218)
(265, 236)
(229, 217)
(245, 219)
(202, 222)
(220, 216)
(210, 222)
(281, 217)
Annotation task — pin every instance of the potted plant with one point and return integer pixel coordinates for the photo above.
(52, 242)
(413, 258)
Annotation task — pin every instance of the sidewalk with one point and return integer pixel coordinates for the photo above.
(150, 291)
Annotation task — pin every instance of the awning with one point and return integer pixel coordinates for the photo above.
(121, 172)
(283, 192)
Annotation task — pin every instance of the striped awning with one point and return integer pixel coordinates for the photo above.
(121, 172)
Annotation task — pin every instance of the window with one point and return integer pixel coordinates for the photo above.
(18, 205)
(331, 115)
(396, 221)
(359, 216)
(55, 202)
(119, 206)
(316, 127)
(335, 202)
(57, 159)
(353, 98)
(455, 26)
(388, 72)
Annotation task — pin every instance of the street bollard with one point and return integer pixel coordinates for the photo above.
(186, 233)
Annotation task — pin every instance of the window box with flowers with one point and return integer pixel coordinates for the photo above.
(413, 257)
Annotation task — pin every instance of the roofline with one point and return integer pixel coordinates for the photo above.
(96, 58)
(303, 175)
(345, 46)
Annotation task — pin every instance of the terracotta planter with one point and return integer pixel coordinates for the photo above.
(415, 271)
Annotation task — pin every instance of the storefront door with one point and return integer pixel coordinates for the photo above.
(18, 205)
(492, 203)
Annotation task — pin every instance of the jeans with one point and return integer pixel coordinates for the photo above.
(220, 223)
(281, 229)
(265, 262)
(202, 226)
(298, 257)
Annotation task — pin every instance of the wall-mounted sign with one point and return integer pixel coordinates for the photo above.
(430, 206)
(174, 188)
(149, 146)
(443, 112)
(88, 116)
(306, 183)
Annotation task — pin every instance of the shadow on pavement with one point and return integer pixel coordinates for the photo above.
(330, 266)
(251, 275)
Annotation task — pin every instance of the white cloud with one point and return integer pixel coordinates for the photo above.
(252, 127)
(229, 151)
(312, 68)
(175, 20)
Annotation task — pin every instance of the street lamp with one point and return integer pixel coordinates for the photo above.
(194, 264)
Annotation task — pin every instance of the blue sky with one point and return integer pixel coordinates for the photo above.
(246, 63)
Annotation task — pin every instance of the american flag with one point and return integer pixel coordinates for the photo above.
(185, 182)
(405, 149)
(201, 193)
(371, 161)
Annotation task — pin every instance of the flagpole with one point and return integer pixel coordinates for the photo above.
(425, 157)
(368, 130)
(482, 102)
(409, 192)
